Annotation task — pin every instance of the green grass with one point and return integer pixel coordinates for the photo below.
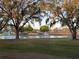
(65, 48)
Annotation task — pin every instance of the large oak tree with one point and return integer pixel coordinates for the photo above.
(72, 20)
(17, 11)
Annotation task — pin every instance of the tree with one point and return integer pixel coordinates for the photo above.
(17, 11)
(72, 20)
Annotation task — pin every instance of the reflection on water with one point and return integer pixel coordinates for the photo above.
(9, 35)
(32, 37)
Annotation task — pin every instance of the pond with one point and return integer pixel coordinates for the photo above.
(9, 35)
(32, 37)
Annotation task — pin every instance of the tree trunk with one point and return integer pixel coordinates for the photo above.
(17, 33)
(17, 29)
(74, 34)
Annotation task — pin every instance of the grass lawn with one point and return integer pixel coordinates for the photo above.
(61, 48)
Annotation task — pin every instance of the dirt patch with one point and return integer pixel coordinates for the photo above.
(28, 56)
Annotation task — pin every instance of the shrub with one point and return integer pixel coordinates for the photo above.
(37, 20)
(27, 28)
(44, 28)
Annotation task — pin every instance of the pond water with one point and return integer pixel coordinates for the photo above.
(9, 35)
(32, 37)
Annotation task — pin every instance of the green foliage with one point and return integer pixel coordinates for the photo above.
(27, 28)
(44, 28)
(5, 2)
(1, 15)
(37, 20)
(64, 22)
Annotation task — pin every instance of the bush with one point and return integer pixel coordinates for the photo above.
(27, 28)
(37, 20)
(44, 28)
